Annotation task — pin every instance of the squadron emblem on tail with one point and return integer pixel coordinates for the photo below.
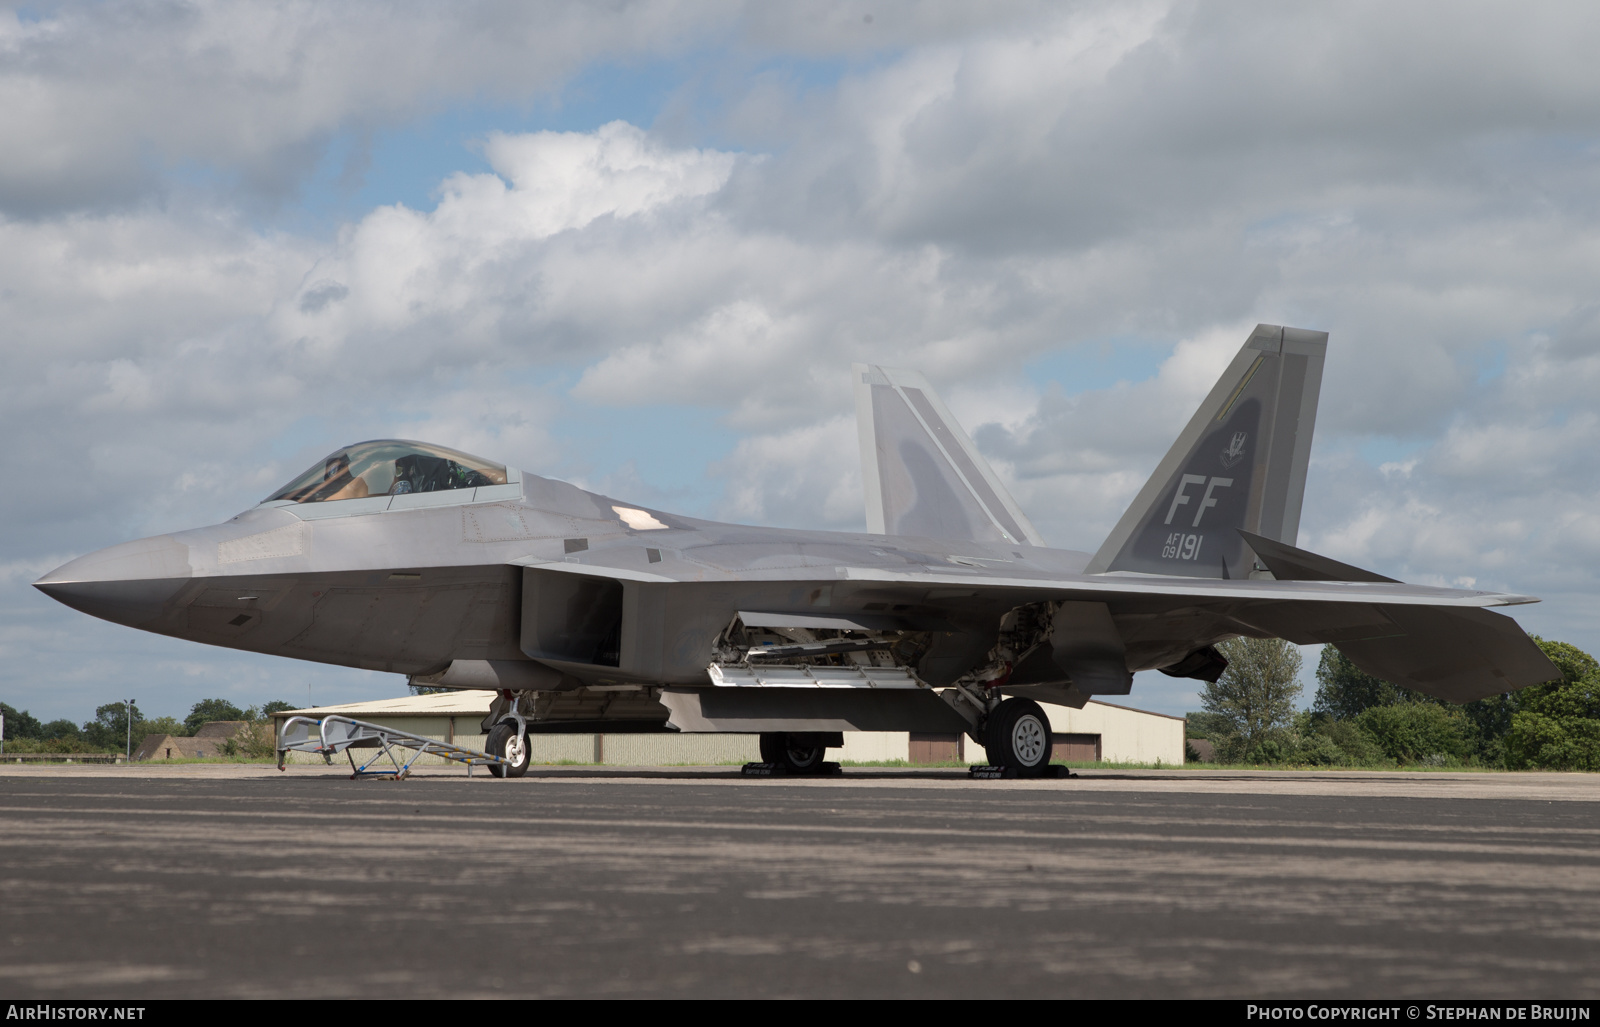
(1235, 451)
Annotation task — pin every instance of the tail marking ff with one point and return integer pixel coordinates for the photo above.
(1240, 463)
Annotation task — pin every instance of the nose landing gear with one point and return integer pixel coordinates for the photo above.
(507, 741)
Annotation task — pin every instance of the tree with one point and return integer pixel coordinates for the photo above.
(1556, 725)
(275, 706)
(1258, 690)
(1207, 725)
(1575, 664)
(108, 731)
(1345, 690)
(156, 726)
(20, 723)
(207, 710)
(60, 728)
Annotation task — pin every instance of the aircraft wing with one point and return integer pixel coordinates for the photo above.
(1439, 641)
(1116, 587)
(1098, 587)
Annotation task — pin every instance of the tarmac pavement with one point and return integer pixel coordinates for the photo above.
(241, 881)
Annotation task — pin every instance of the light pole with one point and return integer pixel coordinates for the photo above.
(129, 755)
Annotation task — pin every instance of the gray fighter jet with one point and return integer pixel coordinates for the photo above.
(949, 615)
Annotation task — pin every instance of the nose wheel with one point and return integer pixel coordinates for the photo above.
(506, 741)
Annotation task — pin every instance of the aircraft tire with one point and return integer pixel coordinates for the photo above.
(1018, 735)
(778, 749)
(502, 737)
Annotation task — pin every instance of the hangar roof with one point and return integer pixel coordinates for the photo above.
(463, 702)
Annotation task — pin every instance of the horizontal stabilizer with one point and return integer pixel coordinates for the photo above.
(1290, 564)
(921, 474)
(1453, 654)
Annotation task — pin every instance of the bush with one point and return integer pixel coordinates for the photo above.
(1320, 751)
(1538, 740)
(1356, 744)
(1413, 732)
(1229, 748)
(1555, 725)
(68, 744)
(1272, 750)
(256, 740)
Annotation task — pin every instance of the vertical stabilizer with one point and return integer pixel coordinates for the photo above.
(1240, 463)
(921, 474)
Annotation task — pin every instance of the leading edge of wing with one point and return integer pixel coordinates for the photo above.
(1397, 593)
(1104, 585)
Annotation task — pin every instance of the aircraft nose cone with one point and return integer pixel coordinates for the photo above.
(128, 583)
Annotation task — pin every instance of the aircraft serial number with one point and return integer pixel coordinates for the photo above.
(1182, 547)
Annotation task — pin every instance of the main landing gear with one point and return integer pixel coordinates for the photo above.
(1017, 736)
(795, 752)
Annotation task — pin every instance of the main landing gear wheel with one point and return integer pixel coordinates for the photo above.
(1018, 735)
(503, 741)
(797, 756)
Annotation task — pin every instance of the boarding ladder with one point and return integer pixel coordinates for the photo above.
(332, 734)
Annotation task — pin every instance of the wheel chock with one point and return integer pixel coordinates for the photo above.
(982, 772)
(779, 770)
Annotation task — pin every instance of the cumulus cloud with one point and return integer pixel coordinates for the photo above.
(822, 485)
(961, 190)
(98, 104)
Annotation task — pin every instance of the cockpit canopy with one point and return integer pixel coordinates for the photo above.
(389, 467)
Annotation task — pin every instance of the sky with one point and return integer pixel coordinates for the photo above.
(636, 246)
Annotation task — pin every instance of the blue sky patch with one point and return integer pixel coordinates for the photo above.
(1099, 364)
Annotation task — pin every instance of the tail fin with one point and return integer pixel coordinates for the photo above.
(921, 473)
(1240, 463)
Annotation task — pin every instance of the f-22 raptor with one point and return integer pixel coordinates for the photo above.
(950, 614)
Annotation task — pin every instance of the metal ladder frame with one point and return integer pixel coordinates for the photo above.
(335, 734)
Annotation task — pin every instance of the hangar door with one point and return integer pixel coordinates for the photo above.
(933, 747)
(1074, 748)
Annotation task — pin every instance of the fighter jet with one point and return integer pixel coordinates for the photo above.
(950, 614)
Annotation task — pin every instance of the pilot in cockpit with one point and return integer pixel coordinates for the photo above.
(338, 482)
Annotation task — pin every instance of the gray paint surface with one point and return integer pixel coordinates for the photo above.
(453, 587)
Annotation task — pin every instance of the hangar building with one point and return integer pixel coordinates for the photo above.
(1099, 731)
